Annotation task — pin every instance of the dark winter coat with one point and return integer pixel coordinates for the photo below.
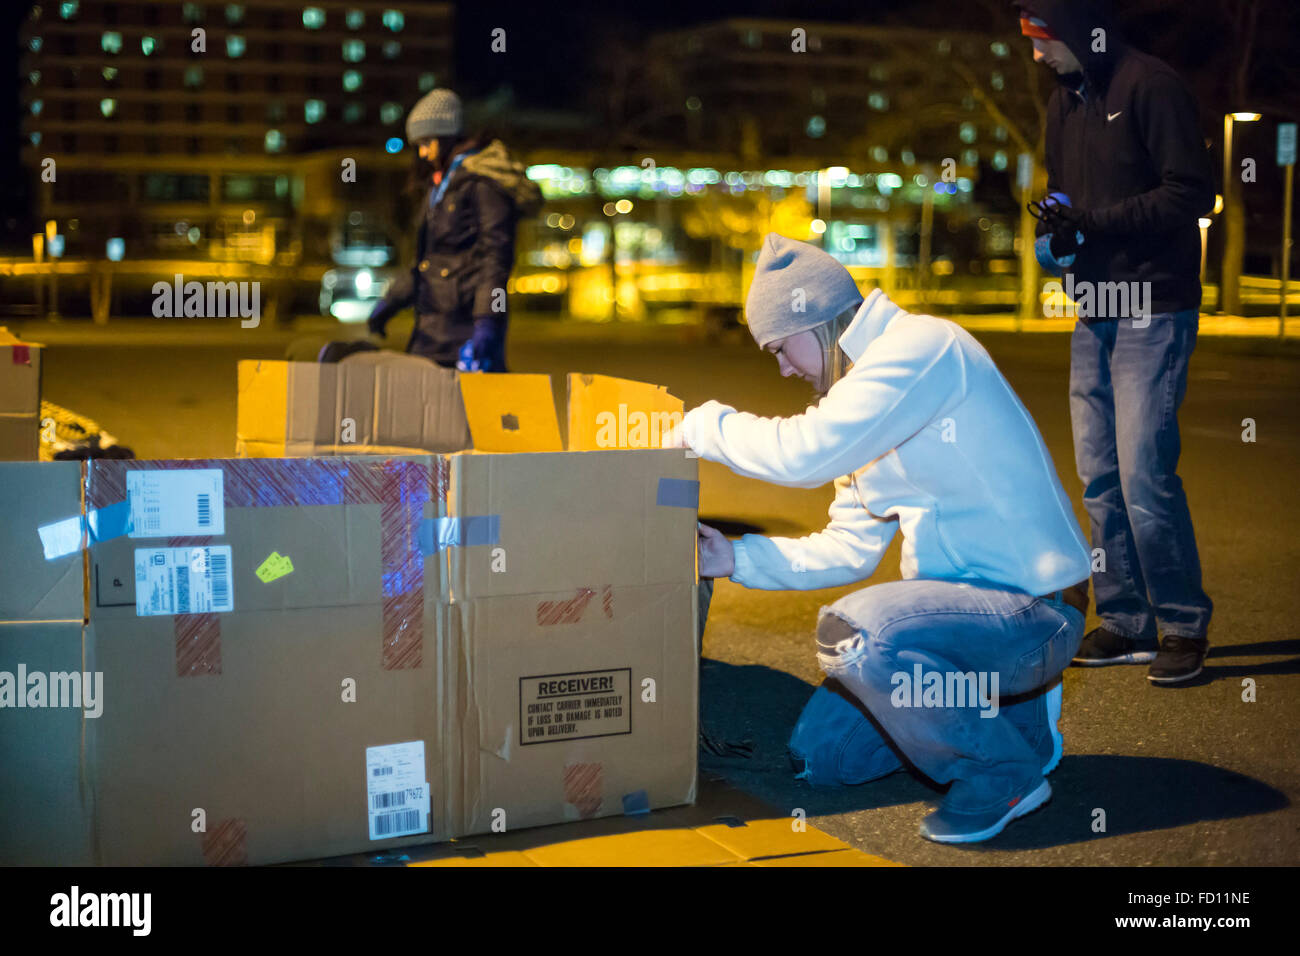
(1124, 143)
(464, 253)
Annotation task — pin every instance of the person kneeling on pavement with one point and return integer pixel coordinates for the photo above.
(921, 433)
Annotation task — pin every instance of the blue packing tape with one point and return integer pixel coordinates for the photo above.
(636, 803)
(438, 534)
(679, 493)
(61, 538)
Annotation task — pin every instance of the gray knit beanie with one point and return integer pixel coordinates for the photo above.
(796, 287)
(437, 113)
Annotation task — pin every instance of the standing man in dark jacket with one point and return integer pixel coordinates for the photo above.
(465, 246)
(1128, 177)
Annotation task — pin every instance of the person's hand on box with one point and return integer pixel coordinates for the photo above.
(675, 437)
(717, 557)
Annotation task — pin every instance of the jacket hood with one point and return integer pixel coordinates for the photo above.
(1074, 22)
(494, 162)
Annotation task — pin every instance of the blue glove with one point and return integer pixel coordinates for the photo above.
(1056, 248)
(485, 349)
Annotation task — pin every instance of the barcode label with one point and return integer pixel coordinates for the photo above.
(183, 589)
(175, 503)
(220, 581)
(385, 801)
(184, 581)
(398, 797)
(397, 824)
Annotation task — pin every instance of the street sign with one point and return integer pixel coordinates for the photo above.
(1286, 144)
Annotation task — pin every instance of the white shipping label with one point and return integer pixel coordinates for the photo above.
(397, 792)
(167, 504)
(183, 580)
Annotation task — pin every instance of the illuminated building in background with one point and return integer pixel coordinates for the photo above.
(166, 145)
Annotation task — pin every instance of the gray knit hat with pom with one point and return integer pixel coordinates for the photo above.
(437, 113)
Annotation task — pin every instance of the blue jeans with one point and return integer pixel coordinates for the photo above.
(873, 642)
(1126, 384)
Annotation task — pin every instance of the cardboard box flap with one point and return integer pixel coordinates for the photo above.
(608, 412)
(7, 338)
(511, 413)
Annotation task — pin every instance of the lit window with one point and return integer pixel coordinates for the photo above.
(356, 19)
(354, 51)
(354, 113)
(36, 138)
(34, 77)
(234, 12)
(999, 48)
(68, 9)
(967, 132)
(235, 45)
(351, 80)
(427, 82)
(693, 103)
(879, 154)
(816, 127)
(390, 112)
(313, 111)
(34, 44)
(109, 73)
(108, 106)
(111, 42)
(394, 144)
(192, 12)
(1000, 160)
(878, 101)
(148, 45)
(970, 157)
(193, 77)
(996, 80)
(392, 50)
(36, 107)
(394, 20)
(274, 141)
(313, 18)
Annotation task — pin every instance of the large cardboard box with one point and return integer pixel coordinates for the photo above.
(309, 657)
(380, 403)
(20, 398)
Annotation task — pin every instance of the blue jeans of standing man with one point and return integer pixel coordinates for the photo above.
(1127, 380)
(945, 627)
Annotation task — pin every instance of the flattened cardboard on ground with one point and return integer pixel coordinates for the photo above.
(370, 400)
(36, 495)
(20, 398)
(45, 797)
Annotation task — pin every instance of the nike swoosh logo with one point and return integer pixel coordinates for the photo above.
(1111, 116)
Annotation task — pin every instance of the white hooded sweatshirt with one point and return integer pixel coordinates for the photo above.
(924, 434)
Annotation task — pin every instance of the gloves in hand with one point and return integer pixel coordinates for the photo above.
(1065, 225)
(485, 350)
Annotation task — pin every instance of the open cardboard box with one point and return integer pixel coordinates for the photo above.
(307, 657)
(401, 404)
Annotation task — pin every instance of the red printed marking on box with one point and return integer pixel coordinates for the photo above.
(583, 783)
(198, 644)
(226, 843)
